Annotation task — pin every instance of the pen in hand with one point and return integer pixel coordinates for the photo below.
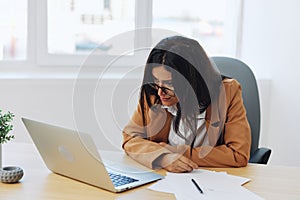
(197, 186)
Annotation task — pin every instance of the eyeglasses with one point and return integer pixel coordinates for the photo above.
(165, 90)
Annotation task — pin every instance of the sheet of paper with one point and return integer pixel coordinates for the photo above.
(217, 178)
(215, 185)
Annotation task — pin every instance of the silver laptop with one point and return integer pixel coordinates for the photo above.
(67, 153)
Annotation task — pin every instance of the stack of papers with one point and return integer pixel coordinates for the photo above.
(215, 185)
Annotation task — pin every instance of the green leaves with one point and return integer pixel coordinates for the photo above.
(6, 127)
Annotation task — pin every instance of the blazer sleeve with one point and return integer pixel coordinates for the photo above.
(138, 144)
(235, 151)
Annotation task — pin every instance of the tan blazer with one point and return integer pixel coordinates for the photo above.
(229, 139)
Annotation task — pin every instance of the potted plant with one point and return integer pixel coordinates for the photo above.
(10, 174)
(5, 128)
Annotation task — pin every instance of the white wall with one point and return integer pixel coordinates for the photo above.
(271, 45)
(51, 101)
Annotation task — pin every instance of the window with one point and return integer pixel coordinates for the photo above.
(80, 26)
(13, 26)
(63, 32)
(200, 19)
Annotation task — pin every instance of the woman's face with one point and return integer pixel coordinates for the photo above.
(163, 78)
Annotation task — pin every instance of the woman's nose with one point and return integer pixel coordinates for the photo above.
(160, 92)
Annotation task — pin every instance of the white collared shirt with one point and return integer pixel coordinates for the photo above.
(175, 140)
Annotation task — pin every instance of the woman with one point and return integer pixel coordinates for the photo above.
(188, 114)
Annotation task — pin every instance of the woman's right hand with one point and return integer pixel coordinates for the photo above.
(177, 163)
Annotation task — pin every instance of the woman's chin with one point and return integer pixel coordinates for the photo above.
(167, 103)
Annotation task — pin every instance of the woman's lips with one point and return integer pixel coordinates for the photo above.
(164, 99)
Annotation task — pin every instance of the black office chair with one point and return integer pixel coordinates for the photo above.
(238, 70)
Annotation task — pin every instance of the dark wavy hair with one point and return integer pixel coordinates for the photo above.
(196, 82)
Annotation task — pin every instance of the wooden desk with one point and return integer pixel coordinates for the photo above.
(269, 182)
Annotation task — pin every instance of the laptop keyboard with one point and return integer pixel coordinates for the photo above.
(119, 179)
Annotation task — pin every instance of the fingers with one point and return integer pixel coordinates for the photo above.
(188, 162)
(178, 163)
(184, 164)
(178, 168)
(183, 167)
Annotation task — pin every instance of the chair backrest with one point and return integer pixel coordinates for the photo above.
(238, 70)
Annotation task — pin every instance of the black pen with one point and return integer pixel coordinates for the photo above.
(197, 186)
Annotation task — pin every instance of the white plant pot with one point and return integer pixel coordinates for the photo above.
(11, 174)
